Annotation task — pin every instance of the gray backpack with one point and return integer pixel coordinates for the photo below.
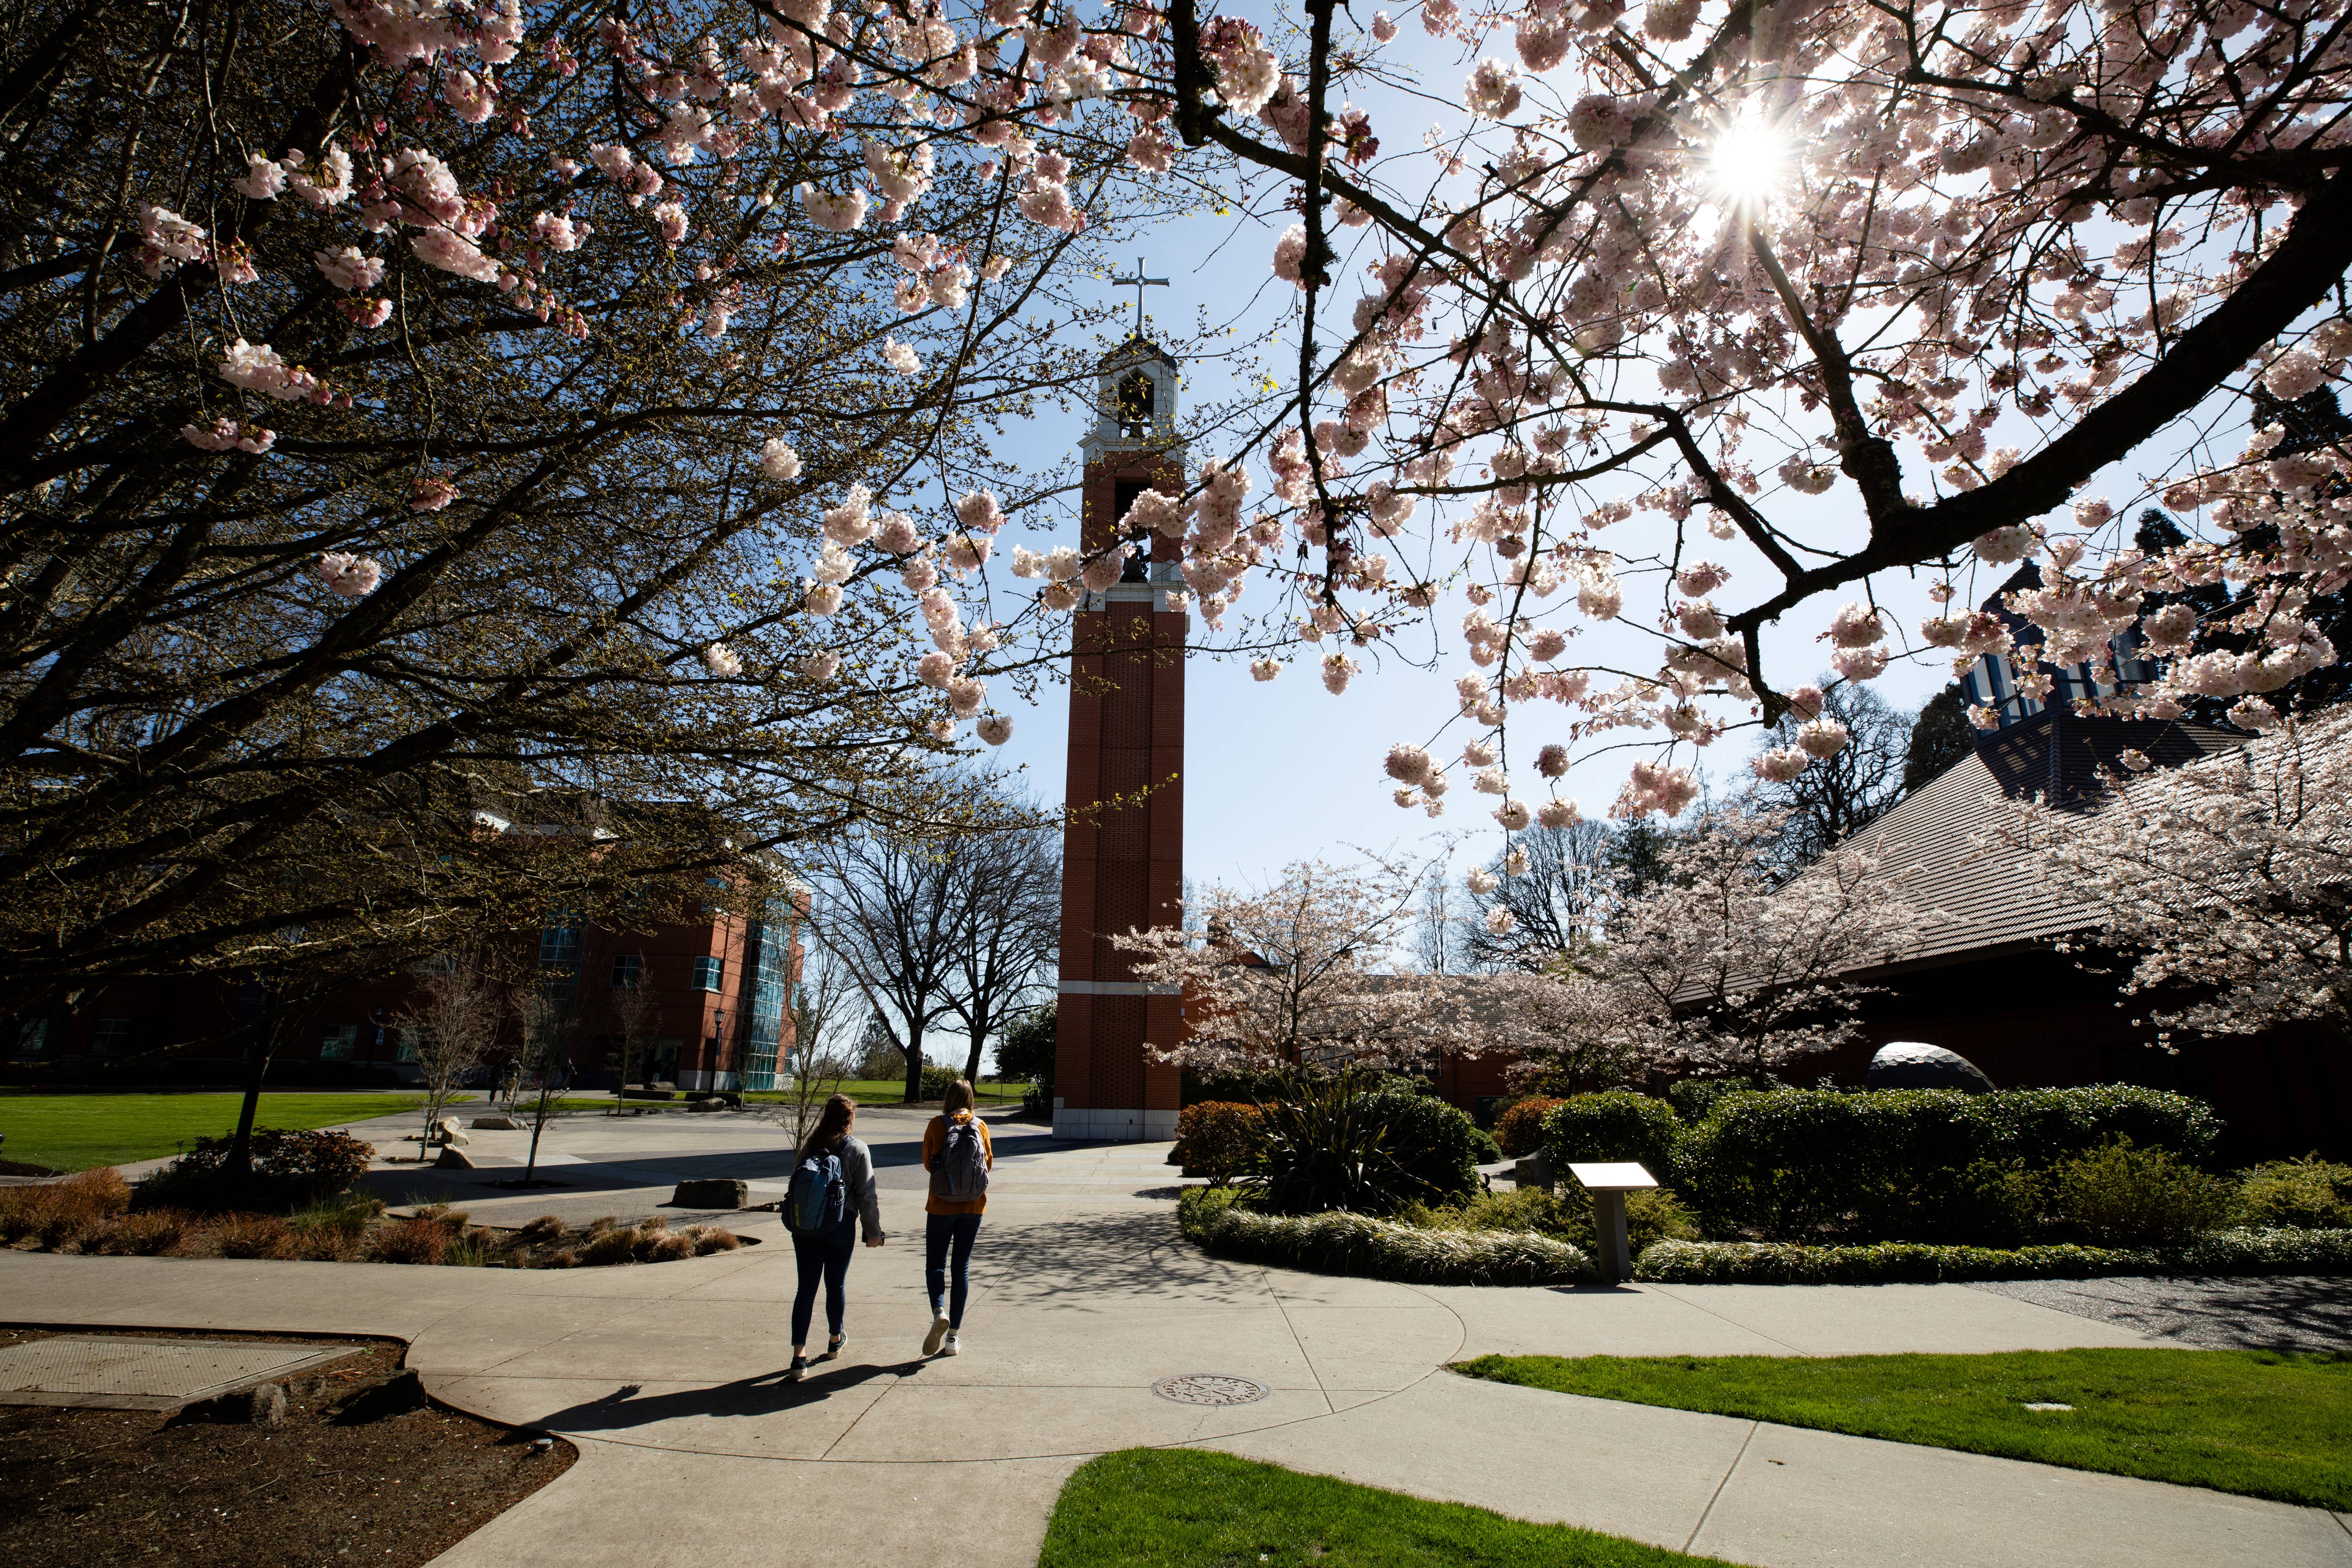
(960, 1170)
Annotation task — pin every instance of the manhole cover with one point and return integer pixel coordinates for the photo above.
(1211, 1388)
(146, 1375)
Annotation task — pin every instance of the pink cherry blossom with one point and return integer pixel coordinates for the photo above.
(778, 460)
(345, 267)
(351, 576)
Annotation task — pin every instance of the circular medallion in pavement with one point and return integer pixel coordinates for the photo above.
(1211, 1388)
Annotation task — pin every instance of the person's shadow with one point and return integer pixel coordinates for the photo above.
(766, 1394)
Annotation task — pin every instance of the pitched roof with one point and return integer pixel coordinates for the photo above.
(1991, 898)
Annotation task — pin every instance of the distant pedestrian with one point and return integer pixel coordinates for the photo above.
(830, 1196)
(957, 1152)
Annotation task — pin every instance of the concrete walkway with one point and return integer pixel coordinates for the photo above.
(695, 1451)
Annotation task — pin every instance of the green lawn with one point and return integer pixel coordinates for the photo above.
(76, 1131)
(2268, 1425)
(1176, 1508)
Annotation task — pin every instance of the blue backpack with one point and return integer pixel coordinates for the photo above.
(817, 1196)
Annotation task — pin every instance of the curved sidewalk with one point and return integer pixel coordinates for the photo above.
(695, 1451)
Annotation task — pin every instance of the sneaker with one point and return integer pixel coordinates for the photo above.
(798, 1370)
(832, 1347)
(938, 1331)
(954, 1346)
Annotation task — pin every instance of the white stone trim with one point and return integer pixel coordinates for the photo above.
(1114, 988)
(1114, 1126)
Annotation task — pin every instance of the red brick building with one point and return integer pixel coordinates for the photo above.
(718, 984)
(1123, 866)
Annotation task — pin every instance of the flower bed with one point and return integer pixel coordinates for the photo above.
(1341, 1243)
(2271, 1251)
(90, 1213)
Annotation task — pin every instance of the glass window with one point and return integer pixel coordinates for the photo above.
(410, 1039)
(111, 1037)
(628, 968)
(338, 1042)
(32, 1038)
(709, 973)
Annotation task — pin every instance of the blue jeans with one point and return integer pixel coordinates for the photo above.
(939, 1230)
(825, 1256)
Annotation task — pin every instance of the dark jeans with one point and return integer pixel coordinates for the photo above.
(825, 1255)
(939, 1230)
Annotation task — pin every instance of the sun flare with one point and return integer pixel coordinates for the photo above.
(1750, 159)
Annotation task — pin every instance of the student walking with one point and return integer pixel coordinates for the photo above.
(831, 1196)
(957, 1152)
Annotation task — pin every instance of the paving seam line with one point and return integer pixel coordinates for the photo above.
(1727, 1474)
(2340, 1520)
(1735, 1322)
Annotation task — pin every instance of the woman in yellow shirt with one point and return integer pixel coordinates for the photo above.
(957, 1152)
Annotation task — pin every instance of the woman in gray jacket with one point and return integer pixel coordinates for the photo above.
(824, 1253)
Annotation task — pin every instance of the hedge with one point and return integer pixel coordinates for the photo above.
(1341, 1243)
(2276, 1251)
(1617, 1125)
(1520, 1130)
(1218, 1138)
(1908, 1163)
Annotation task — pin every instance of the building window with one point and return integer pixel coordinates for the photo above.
(111, 1037)
(628, 969)
(709, 973)
(411, 1039)
(338, 1042)
(32, 1039)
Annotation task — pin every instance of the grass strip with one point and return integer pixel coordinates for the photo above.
(80, 1131)
(2259, 1423)
(1180, 1507)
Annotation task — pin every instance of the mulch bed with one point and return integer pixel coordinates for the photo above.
(108, 1488)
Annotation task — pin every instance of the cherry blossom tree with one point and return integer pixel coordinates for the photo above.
(2228, 882)
(1719, 970)
(432, 422)
(1706, 311)
(1299, 973)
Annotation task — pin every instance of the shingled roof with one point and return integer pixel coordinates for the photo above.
(1991, 900)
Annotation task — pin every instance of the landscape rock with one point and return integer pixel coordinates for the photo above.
(1913, 1064)
(266, 1406)
(712, 1193)
(706, 1105)
(497, 1124)
(454, 1160)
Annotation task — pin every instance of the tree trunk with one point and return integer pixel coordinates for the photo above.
(972, 1061)
(914, 1063)
(256, 1062)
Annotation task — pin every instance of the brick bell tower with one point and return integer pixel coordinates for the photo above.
(1124, 867)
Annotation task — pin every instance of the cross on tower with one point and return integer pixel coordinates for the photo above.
(1139, 282)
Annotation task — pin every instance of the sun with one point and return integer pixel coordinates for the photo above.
(1750, 159)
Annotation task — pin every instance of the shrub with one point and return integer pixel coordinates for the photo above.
(611, 1246)
(2279, 1251)
(289, 1168)
(562, 1258)
(664, 1247)
(1693, 1098)
(937, 1081)
(1519, 1130)
(143, 1235)
(1795, 1163)
(421, 1238)
(711, 1238)
(65, 1213)
(546, 1229)
(1649, 1217)
(1617, 1125)
(1218, 1139)
(2121, 1195)
(2307, 1192)
(1338, 1147)
(1382, 1249)
(1484, 1150)
(251, 1236)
